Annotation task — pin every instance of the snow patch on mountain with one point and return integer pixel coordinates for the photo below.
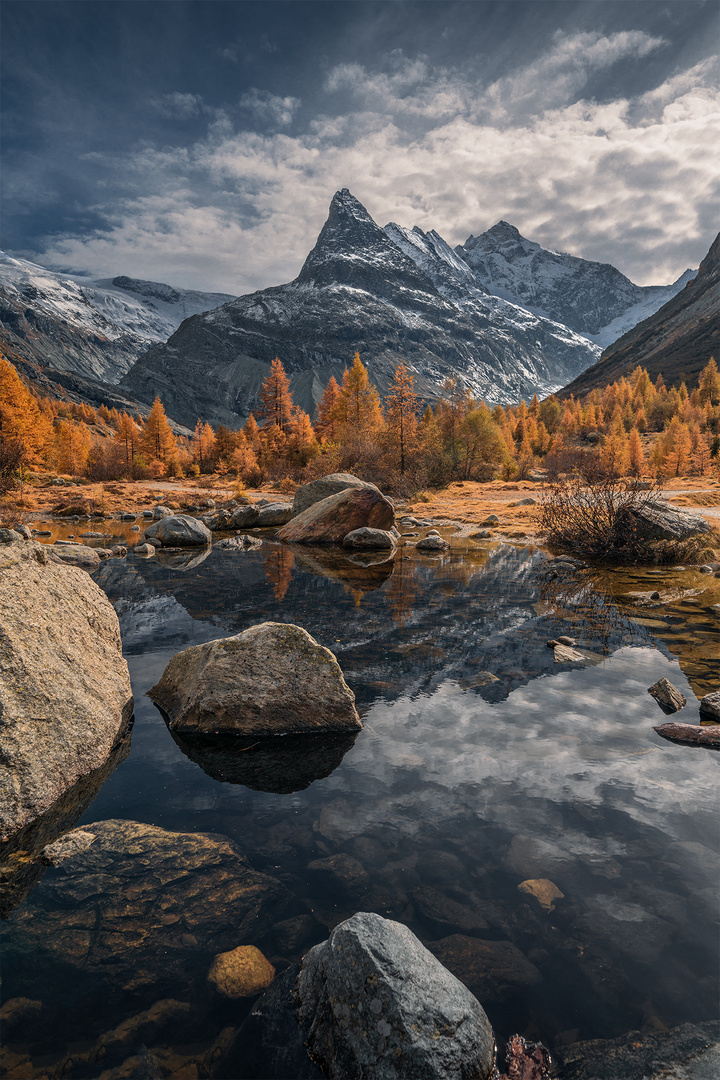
(102, 326)
(594, 299)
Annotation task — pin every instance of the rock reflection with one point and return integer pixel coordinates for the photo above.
(361, 573)
(181, 559)
(280, 765)
(20, 865)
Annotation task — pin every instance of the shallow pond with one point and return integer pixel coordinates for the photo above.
(482, 765)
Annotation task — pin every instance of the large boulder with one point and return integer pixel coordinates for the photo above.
(317, 490)
(180, 530)
(65, 694)
(654, 519)
(272, 679)
(330, 520)
(143, 907)
(369, 1001)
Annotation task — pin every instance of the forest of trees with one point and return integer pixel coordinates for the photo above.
(633, 427)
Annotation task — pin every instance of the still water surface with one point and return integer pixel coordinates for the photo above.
(482, 764)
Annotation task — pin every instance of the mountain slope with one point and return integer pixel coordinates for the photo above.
(360, 288)
(95, 329)
(676, 342)
(592, 298)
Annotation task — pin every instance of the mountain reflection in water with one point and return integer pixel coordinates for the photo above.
(482, 764)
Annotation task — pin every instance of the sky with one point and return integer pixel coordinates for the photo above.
(200, 143)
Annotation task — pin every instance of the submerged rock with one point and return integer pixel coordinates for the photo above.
(180, 530)
(317, 490)
(543, 890)
(72, 843)
(144, 907)
(491, 970)
(272, 679)
(64, 685)
(330, 520)
(370, 1001)
(687, 1052)
(242, 972)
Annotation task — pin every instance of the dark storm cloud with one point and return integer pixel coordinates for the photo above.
(201, 142)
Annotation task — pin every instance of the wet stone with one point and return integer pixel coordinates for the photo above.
(342, 872)
(444, 913)
(667, 696)
(241, 972)
(491, 970)
(144, 907)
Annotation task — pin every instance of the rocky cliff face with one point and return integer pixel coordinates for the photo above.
(676, 342)
(361, 288)
(96, 330)
(592, 298)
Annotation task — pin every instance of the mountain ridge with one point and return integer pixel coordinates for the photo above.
(590, 297)
(676, 341)
(358, 289)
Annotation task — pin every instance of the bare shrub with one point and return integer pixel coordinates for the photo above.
(587, 514)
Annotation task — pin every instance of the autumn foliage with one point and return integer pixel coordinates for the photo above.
(634, 427)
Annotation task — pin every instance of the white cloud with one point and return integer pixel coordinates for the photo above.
(269, 108)
(629, 181)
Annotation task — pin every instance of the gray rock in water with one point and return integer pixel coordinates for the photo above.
(143, 549)
(658, 520)
(273, 515)
(180, 530)
(160, 512)
(373, 1001)
(239, 543)
(710, 707)
(687, 1052)
(432, 543)
(272, 679)
(372, 539)
(64, 686)
(316, 490)
(667, 696)
(564, 654)
(75, 555)
(244, 517)
(22, 530)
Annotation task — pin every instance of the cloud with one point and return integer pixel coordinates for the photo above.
(181, 106)
(632, 181)
(555, 78)
(269, 108)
